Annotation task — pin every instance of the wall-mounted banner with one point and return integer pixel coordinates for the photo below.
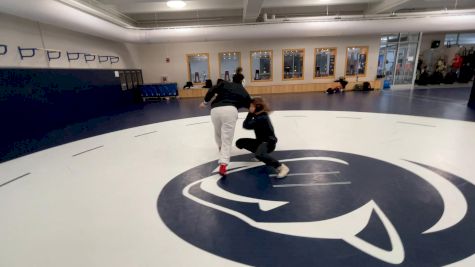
(89, 57)
(56, 54)
(22, 52)
(70, 56)
(113, 59)
(53, 54)
(3, 49)
(103, 59)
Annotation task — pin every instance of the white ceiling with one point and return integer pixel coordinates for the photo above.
(211, 12)
(225, 20)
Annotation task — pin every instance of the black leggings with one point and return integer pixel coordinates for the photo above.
(260, 149)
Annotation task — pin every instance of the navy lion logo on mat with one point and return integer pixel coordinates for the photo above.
(334, 208)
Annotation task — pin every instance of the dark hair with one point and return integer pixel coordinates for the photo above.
(260, 104)
(238, 77)
(208, 84)
(366, 86)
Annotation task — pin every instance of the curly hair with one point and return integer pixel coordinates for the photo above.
(260, 104)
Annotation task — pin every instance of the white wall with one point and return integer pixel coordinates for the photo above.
(16, 32)
(152, 57)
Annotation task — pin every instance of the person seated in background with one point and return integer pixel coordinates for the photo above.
(208, 84)
(338, 87)
(424, 77)
(188, 85)
(342, 82)
(438, 76)
(457, 63)
(450, 77)
(367, 87)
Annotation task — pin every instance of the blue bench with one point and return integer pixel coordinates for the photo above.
(158, 90)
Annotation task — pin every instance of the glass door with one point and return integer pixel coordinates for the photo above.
(397, 58)
(406, 62)
(400, 76)
(390, 62)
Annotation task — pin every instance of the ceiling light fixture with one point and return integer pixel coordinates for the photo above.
(176, 4)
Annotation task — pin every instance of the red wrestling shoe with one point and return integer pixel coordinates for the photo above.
(222, 169)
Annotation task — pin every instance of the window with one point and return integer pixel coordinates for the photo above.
(198, 67)
(356, 60)
(325, 59)
(261, 65)
(466, 38)
(292, 63)
(451, 39)
(397, 60)
(228, 62)
(459, 39)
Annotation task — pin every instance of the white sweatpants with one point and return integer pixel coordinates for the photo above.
(224, 121)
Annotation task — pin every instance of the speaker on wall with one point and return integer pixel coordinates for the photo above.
(435, 44)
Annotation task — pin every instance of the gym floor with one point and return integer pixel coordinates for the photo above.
(377, 178)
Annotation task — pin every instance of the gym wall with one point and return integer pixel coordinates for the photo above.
(15, 31)
(152, 57)
(38, 96)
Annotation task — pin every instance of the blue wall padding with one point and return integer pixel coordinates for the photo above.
(36, 101)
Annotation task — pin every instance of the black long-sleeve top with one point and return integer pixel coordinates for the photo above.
(229, 94)
(261, 125)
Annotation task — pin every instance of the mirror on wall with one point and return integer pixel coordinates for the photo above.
(261, 65)
(325, 59)
(356, 60)
(198, 67)
(292, 63)
(228, 62)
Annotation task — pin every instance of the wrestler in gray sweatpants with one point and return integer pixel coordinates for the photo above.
(224, 120)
